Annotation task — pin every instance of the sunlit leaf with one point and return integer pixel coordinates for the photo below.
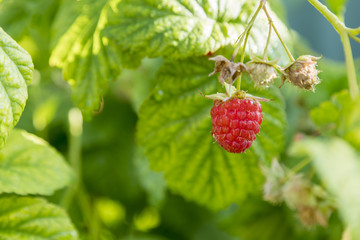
(16, 70)
(179, 28)
(26, 218)
(28, 165)
(175, 130)
(89, 61)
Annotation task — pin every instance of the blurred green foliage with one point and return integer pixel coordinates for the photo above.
(121, 197)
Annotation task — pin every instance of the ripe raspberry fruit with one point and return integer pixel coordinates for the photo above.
(235, 123)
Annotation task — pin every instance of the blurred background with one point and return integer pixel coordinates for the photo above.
(317, 31)
(130, 201)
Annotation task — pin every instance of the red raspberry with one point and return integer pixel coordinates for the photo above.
(235, 123)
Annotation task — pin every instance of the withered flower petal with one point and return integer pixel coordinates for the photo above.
(302, 72)
(229, 71)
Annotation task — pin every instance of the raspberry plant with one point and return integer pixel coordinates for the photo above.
(152, 155)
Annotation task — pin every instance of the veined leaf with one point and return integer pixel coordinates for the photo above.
(16, 70)
(28, 165)
(89, 61)
(175, 129)
(26, 218)
(341, 114)
(338, 165)
(182, 28)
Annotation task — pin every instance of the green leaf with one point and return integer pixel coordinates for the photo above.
(182, 28)
(342, 115)
(89, 61)
(26, 218)
(28, 165)
(29, 22)
(21, 17)
(338, 165)
(256, 219)
(337, 6)
(16, 70)
(175, 130)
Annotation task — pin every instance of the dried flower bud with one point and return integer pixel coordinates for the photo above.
(302, 72)
(229, 71)
(313, 215)
(272, 188)
(297, 191)
(262, 73)
(312, 204)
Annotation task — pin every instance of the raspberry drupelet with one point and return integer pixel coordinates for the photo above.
(235, 123)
